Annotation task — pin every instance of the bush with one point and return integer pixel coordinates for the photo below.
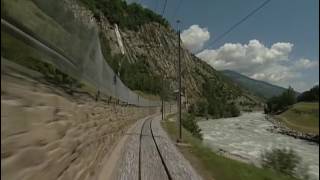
(281, 160)
(189, 122)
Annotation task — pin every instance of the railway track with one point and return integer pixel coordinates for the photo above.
(148, 153)
(146, 130)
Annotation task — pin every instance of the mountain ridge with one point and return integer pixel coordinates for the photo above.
(258, 87)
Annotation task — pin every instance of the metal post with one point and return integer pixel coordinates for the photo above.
(162, 107)
(179, 83)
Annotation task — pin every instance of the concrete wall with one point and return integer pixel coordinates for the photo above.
(47, 134)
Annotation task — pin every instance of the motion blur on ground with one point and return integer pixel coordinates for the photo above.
(89, 91)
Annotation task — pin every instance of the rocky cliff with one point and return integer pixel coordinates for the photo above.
(139, 45)
(156, 46)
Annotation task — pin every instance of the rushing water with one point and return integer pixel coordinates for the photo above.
(247, 136)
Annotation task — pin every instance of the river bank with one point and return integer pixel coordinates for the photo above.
(250, 134)
(281, 128)
(213, 165)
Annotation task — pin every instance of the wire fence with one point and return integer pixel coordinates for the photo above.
(67, 36)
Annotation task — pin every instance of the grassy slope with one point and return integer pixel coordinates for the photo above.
(302, 117)
(212, 166)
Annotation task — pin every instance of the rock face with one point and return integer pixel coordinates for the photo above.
(158, 45)
(47, 134)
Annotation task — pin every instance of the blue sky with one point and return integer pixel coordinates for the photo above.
(282, 38)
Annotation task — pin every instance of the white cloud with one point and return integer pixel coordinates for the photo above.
(271, 64)
(194, 37)
(275, 73)
(306, 64)
(244, 57)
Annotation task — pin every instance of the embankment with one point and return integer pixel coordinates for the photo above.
(48, 134)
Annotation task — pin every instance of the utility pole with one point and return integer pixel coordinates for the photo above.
(179, 83)
(162, 106)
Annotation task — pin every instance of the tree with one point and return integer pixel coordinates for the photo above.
(288, 97)
(280, 103)
(234, 110)
(311, 95)
(189, 122)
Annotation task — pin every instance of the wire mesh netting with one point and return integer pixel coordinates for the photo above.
(65, 35)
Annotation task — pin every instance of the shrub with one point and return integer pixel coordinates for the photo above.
(189, 122)
(282, 160)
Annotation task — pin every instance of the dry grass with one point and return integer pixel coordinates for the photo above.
(302, 117)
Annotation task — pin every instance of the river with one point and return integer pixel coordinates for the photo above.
(247, 136)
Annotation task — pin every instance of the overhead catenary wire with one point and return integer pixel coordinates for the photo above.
(239, 22)
(156, 6)
(176, 10)
(164, 7)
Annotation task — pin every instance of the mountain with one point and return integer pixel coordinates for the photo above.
(259, 88)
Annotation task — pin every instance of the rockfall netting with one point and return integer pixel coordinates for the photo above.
(65, 35)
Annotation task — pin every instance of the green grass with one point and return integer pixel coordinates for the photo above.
(212, 166)
(302, 117)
